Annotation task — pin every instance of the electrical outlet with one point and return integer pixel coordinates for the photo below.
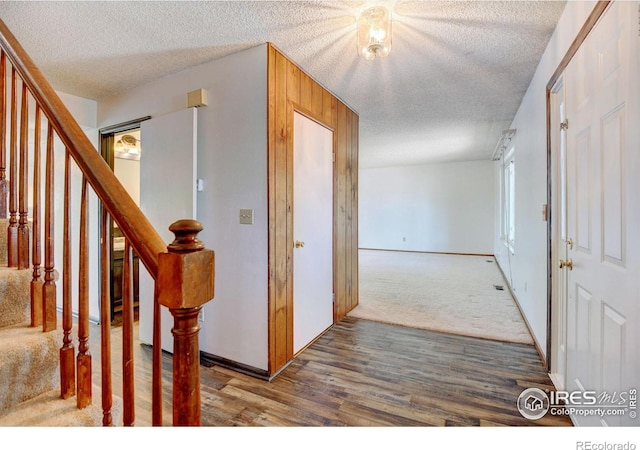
(201, 316)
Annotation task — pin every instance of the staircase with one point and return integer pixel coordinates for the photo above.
(46, 364)
(30, 361)
(30, 365)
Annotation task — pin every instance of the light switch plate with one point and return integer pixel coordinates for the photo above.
(246, 216)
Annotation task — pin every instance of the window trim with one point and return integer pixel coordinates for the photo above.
(507, 207)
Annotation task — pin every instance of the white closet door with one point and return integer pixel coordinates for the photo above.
(313, 226)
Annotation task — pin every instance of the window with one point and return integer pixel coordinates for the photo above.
(508, 201)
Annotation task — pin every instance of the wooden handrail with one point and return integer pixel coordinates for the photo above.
(144, 239)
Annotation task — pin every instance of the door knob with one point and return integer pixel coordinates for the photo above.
(570, 243)
(568, 263)
(298, 244)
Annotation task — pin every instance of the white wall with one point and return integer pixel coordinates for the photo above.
(128, 173)
(446, 208)
(232, 161)
(527, 267)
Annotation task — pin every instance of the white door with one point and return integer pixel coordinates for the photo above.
(603, 201)
(312, 230)
(167, 194)
(561, 242)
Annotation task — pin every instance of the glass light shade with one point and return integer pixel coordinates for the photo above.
(127, 148)
(374, 33)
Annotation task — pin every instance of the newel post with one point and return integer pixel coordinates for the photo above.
(185, 283)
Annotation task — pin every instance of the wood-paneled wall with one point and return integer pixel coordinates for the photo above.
(291, 89)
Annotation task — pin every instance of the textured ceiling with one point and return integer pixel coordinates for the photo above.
(455, 76)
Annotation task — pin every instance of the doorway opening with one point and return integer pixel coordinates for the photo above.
(121, 148)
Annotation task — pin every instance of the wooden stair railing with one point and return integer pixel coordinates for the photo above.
(183, 270)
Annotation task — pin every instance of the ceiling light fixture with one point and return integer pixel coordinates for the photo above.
(374, 33)
(127, 148)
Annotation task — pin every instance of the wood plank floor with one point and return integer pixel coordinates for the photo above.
(363, 373)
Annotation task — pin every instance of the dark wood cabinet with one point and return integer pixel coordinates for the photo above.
(117, 263)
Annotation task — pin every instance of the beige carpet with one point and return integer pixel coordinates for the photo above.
(449, 293)
(14, 296)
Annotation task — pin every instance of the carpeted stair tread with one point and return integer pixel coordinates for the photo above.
(29, 364)
(4, 224)
(49, 410)
(14, 296)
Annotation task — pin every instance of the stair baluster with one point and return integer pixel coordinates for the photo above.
(67, 351)
(105, 326)
(23, 188)
(127, 338)
(12, 239)
(156, 369)
(36, 281)
(49, 315)
(3, 135)
(84, 356)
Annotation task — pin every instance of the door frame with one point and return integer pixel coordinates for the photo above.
(558, 316)
(589, 24)
(296, 108)
(106, 148)
(292, 108)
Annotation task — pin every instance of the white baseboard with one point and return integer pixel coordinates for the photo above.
(557, 381)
